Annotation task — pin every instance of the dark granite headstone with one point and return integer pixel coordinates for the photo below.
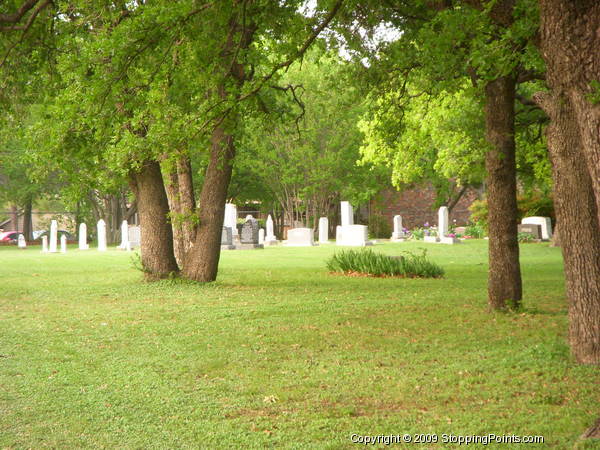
(249, 233)
(533, 229)
(226, 236)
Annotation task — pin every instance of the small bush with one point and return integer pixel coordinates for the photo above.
(525, 237)
(367, 262)
(475, 230)
(417, 233)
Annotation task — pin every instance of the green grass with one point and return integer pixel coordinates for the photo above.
(279, 353)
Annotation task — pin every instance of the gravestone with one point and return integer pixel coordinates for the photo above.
(354, 235)
(532, 228)
(63, 244)
(544, 222)
(249, 234)
(300, 237)
(230, 219)
(349, 233)
(21, 242)
(45, 244)
(83, 245)
(270, 238)
(347, 216)
(124, 245)
(443, 225)
(134, 237)
(261, 236)
(398, 233)
(323, 230)
(227, 239)
(53, 237)
(101, 227)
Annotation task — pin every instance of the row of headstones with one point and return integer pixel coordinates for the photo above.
(252, 236)
(130, 238)
(539, 227)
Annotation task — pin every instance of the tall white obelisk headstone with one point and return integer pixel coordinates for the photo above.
(101, 235)
(83, 245)
(53, 236)
(124, 235)
(323, 230)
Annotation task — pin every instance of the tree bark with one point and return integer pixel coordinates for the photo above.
(504, 278)
(158, 259)
(202, 261)
(577, 214)
(570, 39)
(180, 193)
(27, 220)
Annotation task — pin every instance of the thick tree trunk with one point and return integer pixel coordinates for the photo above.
(158, 259)
(570, 38)
(27, 220)
(180, 192)
(504, 278)
(577, 214)
(202, 261)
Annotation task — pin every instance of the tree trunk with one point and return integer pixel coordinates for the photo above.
(27, 220)
(202, 261)
(577, 214)
(504, 278)
(158, 259)
(180, 192)
(569, 40)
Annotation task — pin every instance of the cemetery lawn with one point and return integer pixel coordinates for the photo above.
(280, 353)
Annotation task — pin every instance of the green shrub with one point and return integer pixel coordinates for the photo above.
(525, 237)
(531, 204)
(418, 233)
(475, 230)
(368, 262)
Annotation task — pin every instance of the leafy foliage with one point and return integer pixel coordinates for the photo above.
(366, 261)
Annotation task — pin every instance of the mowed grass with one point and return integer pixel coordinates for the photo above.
(280, 353)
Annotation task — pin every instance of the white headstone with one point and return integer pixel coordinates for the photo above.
(135, 236)
(53, 236)
(323, 230)
(249, 217)
(230, 219)
(544, 222)
(45, 244)
(63, 244)
(261, 236)
(101, 236)
(398, 233)
(353, 235)
(338, 233)
(347, 217)
(300, 237)
(21, 241)
(124, 235)
(443, 221)
(83, 245)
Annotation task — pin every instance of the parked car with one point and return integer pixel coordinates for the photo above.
(10, 236)
(70, 237)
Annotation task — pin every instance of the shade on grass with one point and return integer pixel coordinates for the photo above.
(278, 352)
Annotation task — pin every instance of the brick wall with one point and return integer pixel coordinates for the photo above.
(415, 206)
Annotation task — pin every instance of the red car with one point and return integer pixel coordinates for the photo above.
(10, 236)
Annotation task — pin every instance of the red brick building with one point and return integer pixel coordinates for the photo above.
(416, 206)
